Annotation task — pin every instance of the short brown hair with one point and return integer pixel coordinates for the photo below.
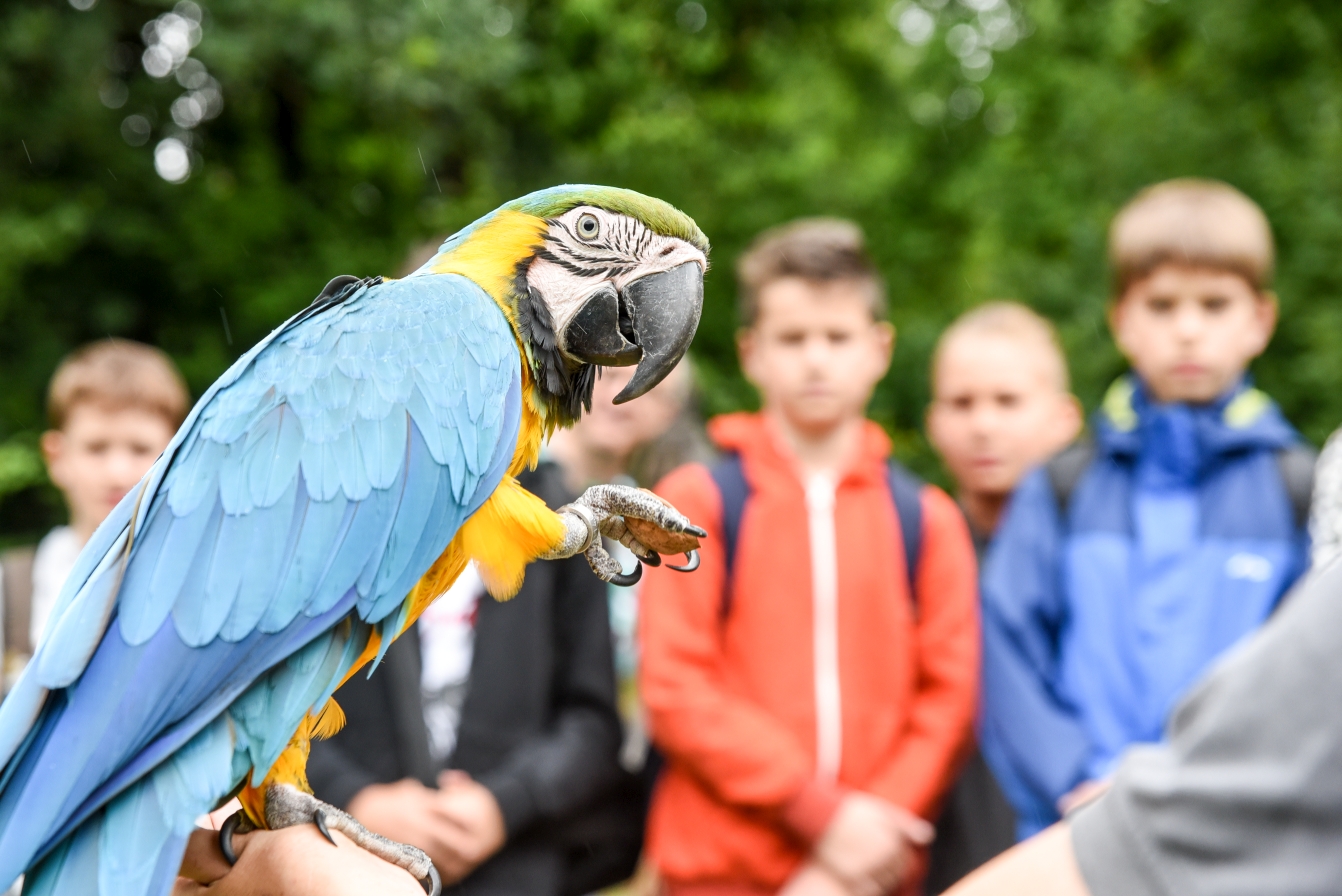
(116, 374)
(1008, 320)
(821, 250)
(1189, 221)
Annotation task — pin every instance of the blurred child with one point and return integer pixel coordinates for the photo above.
(812, 685)
(113, 406)
(613, 440)
(1000, 405)
(1126, 565)
(635, 443)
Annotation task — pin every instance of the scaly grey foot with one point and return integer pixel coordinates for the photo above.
(635, 517)
(287, 806)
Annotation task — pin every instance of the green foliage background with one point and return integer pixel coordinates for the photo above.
(353, 129)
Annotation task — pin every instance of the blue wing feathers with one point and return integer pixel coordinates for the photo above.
(269, 530)
(307, 491)
(74, 634)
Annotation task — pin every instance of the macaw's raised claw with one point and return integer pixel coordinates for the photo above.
(691, 562)
(287, 806)
(638, 519)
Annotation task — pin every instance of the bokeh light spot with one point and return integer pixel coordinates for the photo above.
(172, 161)
(1000, 117)
(691, 17)
(965, 101)
(927, 109)
(913, 22)
(114, 93)
(135, 130)
(498, 21)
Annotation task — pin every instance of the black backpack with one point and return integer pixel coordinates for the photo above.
(905, 491)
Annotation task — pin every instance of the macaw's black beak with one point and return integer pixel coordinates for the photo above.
(651, 324)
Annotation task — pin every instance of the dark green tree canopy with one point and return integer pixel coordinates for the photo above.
(982, 144)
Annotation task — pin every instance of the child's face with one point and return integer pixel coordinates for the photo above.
(1190, 332)
(996, 411)
(615, 430)
(815, 352)
(100, 455)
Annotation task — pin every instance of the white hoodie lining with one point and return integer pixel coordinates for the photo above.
(820, 495)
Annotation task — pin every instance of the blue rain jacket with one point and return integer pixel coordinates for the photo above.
(1178, 539)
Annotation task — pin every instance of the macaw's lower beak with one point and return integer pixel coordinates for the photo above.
(651, 324)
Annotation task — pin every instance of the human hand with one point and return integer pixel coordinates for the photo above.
(295, 861)
(1081, 794)
(813, 880)
(478, 822)
(868, 846)
(408, 812)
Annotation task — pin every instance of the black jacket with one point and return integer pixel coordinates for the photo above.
(539, 726)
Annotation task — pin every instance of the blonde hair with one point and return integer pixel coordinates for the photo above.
(1012, 321)
(117, 374)
(821, 250)
(1189, 221)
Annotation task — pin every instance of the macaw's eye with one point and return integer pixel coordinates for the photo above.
(588, 227)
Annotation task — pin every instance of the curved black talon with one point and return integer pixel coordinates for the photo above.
(625, 579)
(433, 884)
(319, 819)
(691, 563)
(653, 559)
(226, 831)
(696, 531)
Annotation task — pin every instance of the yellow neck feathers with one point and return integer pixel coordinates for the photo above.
(490, 257)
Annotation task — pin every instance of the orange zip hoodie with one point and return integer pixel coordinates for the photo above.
(822, 678)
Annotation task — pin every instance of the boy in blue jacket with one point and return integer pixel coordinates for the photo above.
(1131, 561)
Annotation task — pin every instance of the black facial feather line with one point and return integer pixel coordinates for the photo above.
(569, 395)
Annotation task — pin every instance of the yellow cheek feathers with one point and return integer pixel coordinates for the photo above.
(490, 256)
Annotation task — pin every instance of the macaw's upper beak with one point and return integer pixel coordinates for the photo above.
(650, 323)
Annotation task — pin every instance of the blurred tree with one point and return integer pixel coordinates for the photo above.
(983, 145)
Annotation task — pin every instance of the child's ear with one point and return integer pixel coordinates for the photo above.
(53, 451)
(1113, 315)
(1070, 419)
(885, 335)
(745, 351)
(1265, 311)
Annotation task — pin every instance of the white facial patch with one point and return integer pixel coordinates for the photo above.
(587, 248)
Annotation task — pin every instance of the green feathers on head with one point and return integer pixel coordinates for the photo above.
(662, 217)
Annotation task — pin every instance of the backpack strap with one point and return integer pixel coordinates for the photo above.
(730, 478)
(906, 490)
(1296, 465)
(1064, 470)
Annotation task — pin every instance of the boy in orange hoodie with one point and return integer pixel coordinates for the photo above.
(812, 686)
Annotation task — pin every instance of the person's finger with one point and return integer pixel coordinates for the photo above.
(452, 777)
(184, 886)
(914, 829)
(203, 860)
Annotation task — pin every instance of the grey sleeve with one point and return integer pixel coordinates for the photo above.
(1245, 795)
(1325, 513)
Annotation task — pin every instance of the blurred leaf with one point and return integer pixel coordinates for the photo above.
(352, 130)
(21, 466)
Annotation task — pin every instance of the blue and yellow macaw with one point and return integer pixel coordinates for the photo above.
(322, 493)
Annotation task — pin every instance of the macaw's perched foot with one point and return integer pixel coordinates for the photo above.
(286, 806)
(637, 519)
